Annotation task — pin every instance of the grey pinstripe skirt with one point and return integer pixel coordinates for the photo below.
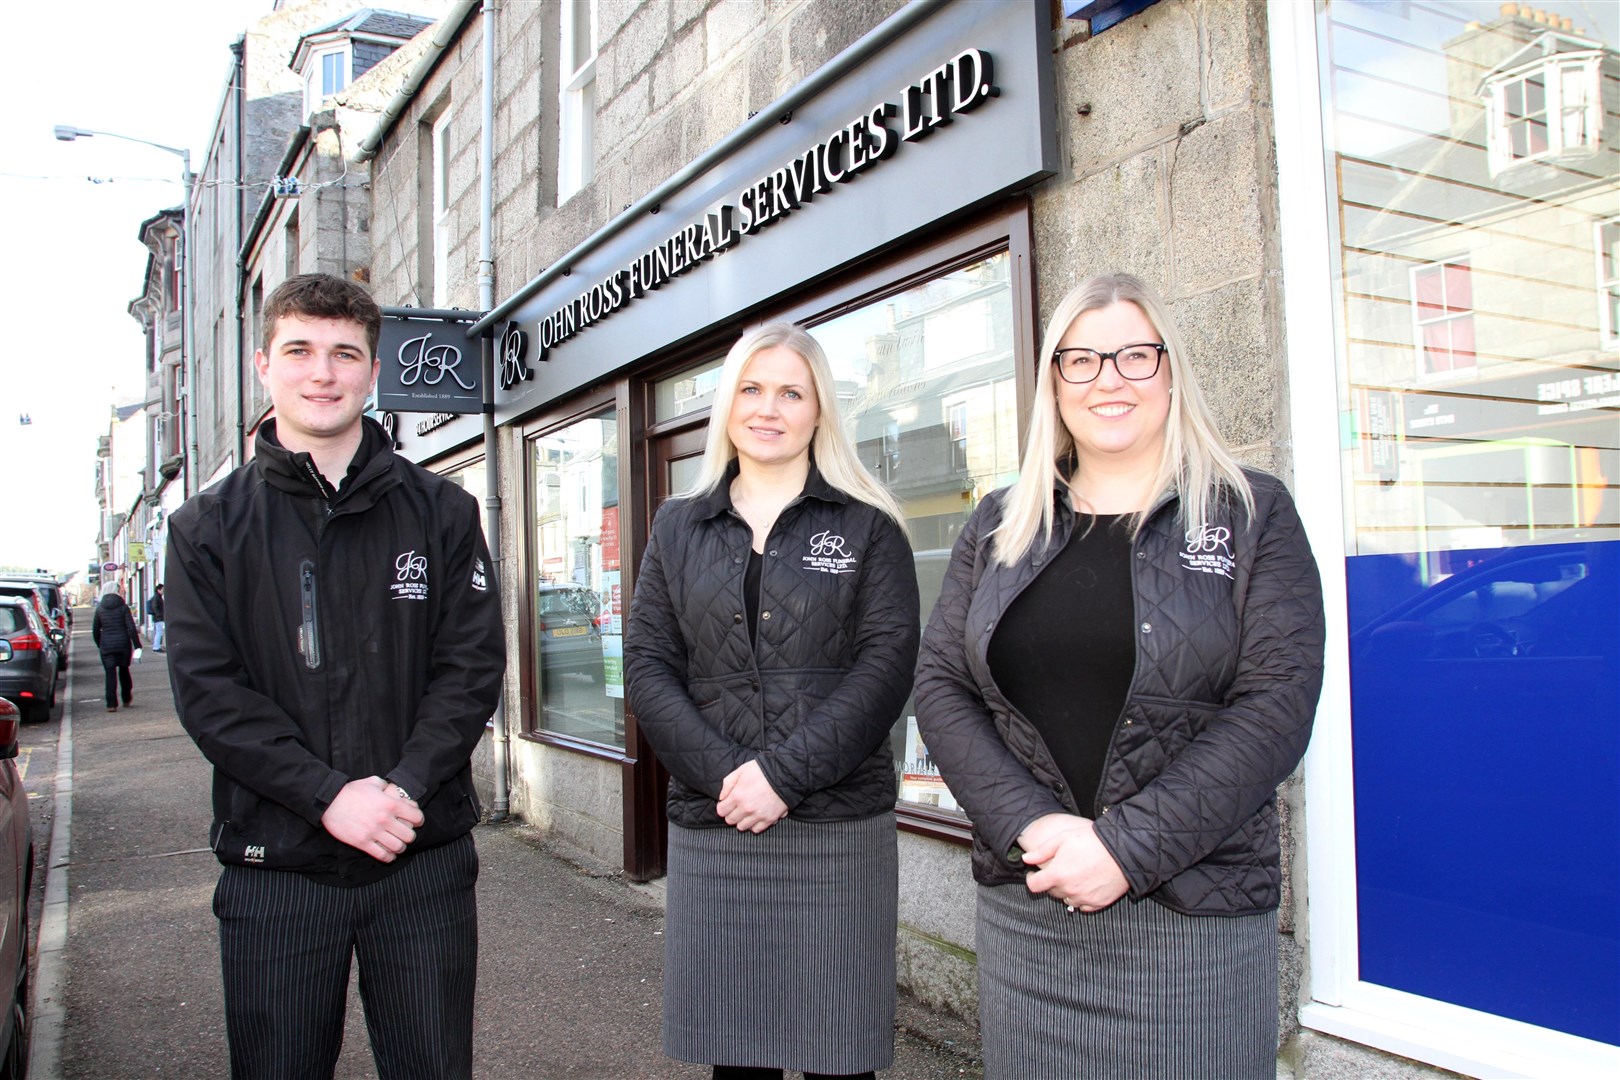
(779, 948)
(1136, 991)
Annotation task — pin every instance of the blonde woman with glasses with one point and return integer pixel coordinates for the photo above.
(770, 649)
(1123, 665)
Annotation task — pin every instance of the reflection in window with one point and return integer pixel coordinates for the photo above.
(1608, 245)
(926, 384)
(1483, 494)
(1443, 300)
(577, 621)
(472, 479)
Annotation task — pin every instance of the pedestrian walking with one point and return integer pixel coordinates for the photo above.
(154, 611)
(115, 634)
(1122, 666)
(772, 635)
(337, 649)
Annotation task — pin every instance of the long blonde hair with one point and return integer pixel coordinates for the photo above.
(830, 447)
(1195, 463)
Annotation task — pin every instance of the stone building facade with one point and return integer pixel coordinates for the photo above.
(1185, 143)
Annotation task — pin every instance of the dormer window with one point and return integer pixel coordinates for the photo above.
(327, 74)
(1544, 109)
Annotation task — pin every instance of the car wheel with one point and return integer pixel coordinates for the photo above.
(14, 1062)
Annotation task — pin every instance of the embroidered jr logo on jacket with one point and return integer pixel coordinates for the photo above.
(410, 576)
(829, 555)
(1209, 550)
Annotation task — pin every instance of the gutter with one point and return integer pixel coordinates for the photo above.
(449, 28)
(767, 118)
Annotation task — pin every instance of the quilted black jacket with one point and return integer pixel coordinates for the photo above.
(1228, 670)
(814, 700)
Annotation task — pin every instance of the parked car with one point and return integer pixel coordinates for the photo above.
(29, 666)
(55, 621)
(17, 867)
(570, 631)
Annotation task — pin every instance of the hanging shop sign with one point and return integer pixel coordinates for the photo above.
(950, 115)
(428, 364)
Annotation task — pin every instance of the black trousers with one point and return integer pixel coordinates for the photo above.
(286, 943)
(116, 665)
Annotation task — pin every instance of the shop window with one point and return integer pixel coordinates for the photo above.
(471, 478)
(927, 381)
(1608, 271)
(1443, 307)
(576, 144)
(1479, 517)
(575, 675)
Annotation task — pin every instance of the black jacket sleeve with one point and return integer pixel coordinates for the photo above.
(1231, 767)
(855, 718)
(239, 730)
(95, 625)
(999, 793)
(695, 751)
(467, 665)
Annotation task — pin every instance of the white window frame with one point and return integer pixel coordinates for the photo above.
(1558, 116)
(1335, 1000)
(1608, 287)
(576, 107)
(1419, 323)
(315, 97)
(440, 157)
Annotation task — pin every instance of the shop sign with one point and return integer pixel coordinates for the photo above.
(428, 366)
(514, 354)
(135, 551)
(865, 141)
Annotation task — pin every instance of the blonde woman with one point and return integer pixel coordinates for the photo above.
(1123, 664)
(772, 635)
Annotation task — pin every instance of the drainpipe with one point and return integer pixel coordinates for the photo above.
(486, 300)
(238, 90)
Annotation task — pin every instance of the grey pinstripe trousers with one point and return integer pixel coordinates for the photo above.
(286, 944)
(1135, 991)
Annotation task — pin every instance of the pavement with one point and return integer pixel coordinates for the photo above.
(127, 981)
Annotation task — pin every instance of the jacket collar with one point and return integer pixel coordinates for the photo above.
(718, 501)
(295, 472)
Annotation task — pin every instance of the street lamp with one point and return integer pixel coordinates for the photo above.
(68, 133)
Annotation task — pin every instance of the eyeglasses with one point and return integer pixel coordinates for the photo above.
(1134, 362)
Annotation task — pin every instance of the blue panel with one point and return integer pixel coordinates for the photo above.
(1487, 762)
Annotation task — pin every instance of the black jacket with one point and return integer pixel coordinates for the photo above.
(1228, 670)
(154, 606)
(814, 700)
(320, 637)
(112, 627)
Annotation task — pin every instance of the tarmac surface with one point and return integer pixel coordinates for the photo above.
(127, 983)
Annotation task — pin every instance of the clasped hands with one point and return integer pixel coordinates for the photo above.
(1074, 867)
(373, 816)
(747, 800)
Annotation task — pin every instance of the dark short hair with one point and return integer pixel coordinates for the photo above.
(323, 296)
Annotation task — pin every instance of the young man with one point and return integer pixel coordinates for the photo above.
(154, 611)
(337, 648)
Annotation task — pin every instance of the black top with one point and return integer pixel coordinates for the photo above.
(1065, 651)
(751, 593)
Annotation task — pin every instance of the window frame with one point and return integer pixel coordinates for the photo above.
(576, 104)
(1552, 72)
(1608, 288)
(1334, 1001)
(315, 94)
(439, 157)
(1449, 317)
(524, 558)
(1009, 227)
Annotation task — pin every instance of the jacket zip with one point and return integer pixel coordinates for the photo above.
(309, 629)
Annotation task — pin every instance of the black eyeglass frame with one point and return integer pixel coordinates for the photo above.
(1158, 348)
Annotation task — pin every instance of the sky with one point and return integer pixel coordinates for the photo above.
(154, 70)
